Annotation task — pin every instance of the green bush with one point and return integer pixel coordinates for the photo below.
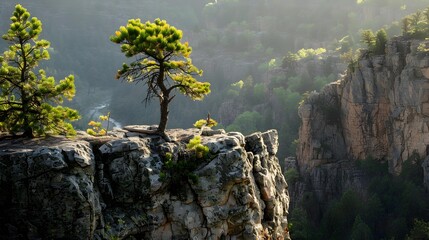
(178, 170)
(199, 149)
(291, 176)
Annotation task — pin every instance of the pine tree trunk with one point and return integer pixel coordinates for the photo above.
(164, 115)
(164, 100)
(28, 131)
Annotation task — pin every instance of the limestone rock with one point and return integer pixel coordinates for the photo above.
(379, 110)
(49, 192)
(121, 189)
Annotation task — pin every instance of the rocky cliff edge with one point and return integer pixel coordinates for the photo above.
(118, 188)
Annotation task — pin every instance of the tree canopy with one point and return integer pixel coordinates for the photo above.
(30, 101)
(162, 62)
(376, 44)
(416, 25)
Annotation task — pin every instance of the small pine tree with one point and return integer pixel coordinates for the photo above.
(406, 26)
(416, 18)
(380, 42)
(426, 15)
(97, 128)
(416, 25)
(203, 122)
(163, 63)
(196, 146)
(30, 101)
(368, 38)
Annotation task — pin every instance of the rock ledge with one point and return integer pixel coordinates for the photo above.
(91, 189)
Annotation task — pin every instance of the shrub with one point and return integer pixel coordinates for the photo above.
(179, 170)
(203, 122)
(97, 127)
(196, 146)
(291, 176)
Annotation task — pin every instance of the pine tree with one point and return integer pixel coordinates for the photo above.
(360, 230)
(406, 26)
(416, 18)
(368, 38)
(426, 15)
(30, 101)
(380, 42)
(162, 63)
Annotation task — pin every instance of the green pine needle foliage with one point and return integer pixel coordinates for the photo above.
(97, 128)
(203, 122)
(30, 101)
(161, 50)
(195, 145)
(416, 25)
(375, 43)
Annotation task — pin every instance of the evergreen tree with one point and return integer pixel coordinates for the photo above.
(416, 25)
(376, 44)
(406, 26)
(368, 38)
(360, 230)
(416, 18)
(162, 63)
(29, 99)
(426, 15)
(380, 42)
(300, 226)
(420, 230)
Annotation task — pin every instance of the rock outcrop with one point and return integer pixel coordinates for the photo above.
(379, 109)
(119, 188)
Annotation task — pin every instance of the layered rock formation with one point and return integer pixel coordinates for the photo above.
(118, 188)
(379, 109)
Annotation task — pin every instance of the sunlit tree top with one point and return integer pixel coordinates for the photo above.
(158, 40)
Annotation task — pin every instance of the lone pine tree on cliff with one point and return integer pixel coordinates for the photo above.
(161, 62)
(30, 101)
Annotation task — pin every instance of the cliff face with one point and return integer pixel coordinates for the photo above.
(379, 110)
(75, 189)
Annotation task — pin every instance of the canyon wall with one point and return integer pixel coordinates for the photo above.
(379, 109)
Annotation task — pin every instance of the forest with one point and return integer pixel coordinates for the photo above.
(261, 63)
(394, 207)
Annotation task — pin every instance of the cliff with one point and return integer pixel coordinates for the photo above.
(124, 187)
(379, 110)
